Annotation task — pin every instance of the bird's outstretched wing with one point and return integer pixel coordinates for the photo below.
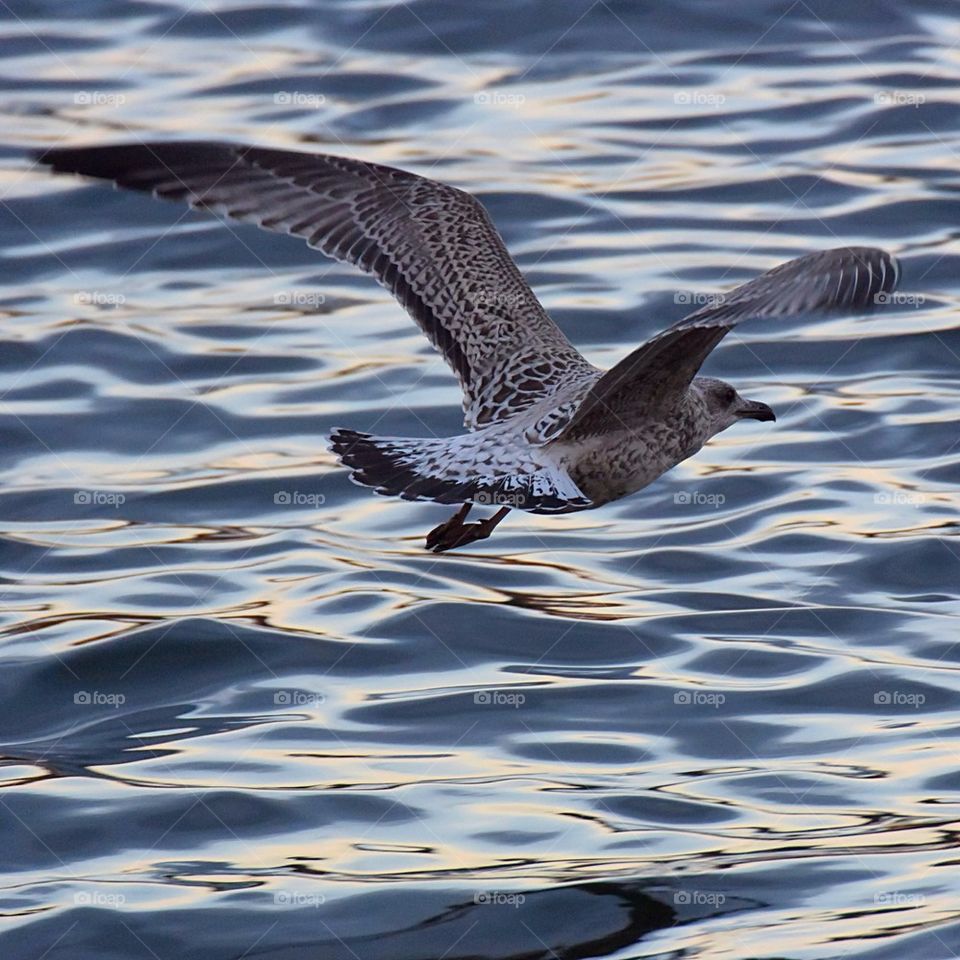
(844, 279)
(431, 245)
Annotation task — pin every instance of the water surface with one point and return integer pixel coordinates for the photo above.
(243, 714)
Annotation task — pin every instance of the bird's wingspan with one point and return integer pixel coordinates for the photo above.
(844, 279)
(431, 245)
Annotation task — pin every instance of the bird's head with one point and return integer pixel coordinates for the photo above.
(725, 406)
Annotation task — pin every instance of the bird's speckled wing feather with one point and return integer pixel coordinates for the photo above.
(431, 245)
(847, 278)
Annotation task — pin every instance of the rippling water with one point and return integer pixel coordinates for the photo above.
(244, 714)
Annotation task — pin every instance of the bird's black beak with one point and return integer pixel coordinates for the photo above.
(755, 410)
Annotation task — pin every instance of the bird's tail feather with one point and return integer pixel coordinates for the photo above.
(429, 469)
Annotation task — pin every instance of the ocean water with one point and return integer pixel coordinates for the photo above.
(244, 714)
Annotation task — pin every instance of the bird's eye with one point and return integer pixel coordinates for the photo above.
(727, 396)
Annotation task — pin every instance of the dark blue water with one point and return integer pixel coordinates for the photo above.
(243, 714)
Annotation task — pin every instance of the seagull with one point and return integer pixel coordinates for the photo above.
(546, 431)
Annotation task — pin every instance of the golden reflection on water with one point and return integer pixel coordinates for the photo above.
(790, 589)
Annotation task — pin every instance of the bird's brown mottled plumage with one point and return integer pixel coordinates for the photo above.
(548, 431)
(431, 245)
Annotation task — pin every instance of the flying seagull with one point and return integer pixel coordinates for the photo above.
(547, 432)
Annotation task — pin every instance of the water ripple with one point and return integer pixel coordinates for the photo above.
(244, 713)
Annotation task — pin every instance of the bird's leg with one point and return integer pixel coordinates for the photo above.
(447, 529)
(456, 533)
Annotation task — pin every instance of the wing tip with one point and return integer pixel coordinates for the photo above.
(120, 161)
